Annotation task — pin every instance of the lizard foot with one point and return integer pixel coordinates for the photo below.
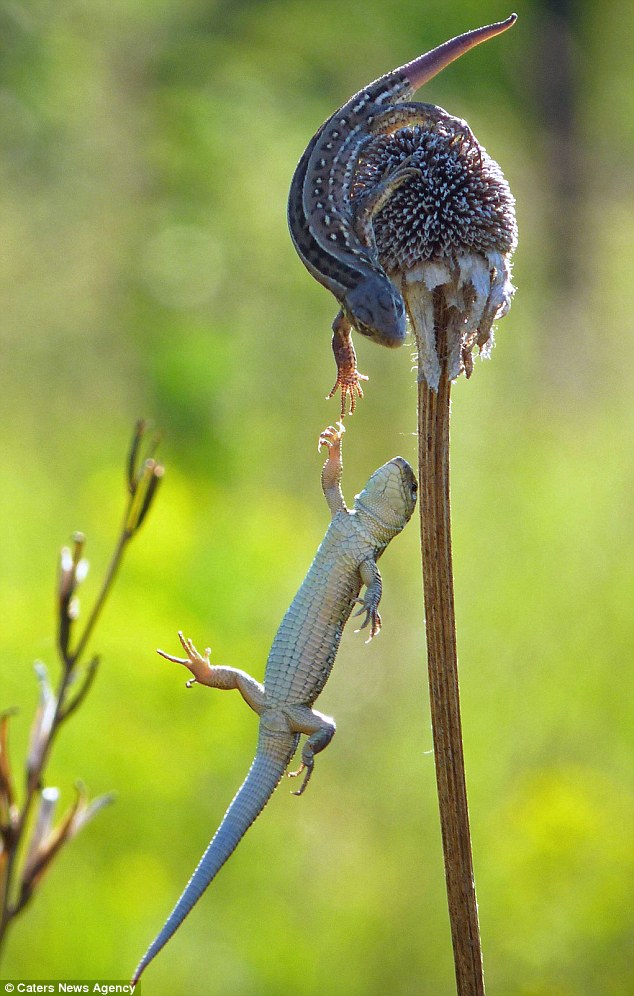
(463, 133)
(348, 377)
(304, 769)
(197, 663)
(331, 437)
(372, 618)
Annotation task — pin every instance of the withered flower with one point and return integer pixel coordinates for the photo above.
(445, 237)
(47, 840)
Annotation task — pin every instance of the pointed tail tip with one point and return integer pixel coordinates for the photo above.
(426, 66)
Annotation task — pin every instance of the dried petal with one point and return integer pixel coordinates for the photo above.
(87, 811)
(42, 721)
(7, 793)
(48, 802)
(132, 470)
(145, 491)
(49, 842)
(135, 472)
(73, 570)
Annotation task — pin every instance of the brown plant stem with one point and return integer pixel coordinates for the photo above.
(442, 660)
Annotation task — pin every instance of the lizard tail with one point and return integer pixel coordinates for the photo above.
(426, 66)
(271, 760)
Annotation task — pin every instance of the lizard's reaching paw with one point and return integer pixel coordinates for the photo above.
(331, 437)
(198, 663)
(348, 377)
(349, 383)
(372, 617)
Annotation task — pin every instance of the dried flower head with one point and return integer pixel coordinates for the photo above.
(445, 237)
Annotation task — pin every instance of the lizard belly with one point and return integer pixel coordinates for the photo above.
(306, 644)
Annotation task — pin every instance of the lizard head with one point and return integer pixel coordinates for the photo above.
(390, 495)
(376, 309)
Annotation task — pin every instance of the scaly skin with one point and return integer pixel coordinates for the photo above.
(327, 235)
(302, 655)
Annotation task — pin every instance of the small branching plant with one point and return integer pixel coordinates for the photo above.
(30, 838)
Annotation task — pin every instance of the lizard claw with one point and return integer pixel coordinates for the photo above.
(197, 663)
(372, 618)
(306, 770)
(331, 436)
(348, 377)
(464, 133)
(349, 382)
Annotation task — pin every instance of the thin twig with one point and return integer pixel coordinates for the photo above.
(142, 484)
(442, 660)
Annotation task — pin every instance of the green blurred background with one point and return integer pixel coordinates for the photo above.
(146, 150)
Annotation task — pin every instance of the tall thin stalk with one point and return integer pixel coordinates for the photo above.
(442, 663)
(446, 237)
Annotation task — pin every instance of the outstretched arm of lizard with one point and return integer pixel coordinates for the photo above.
(206, 673)
(331, 471)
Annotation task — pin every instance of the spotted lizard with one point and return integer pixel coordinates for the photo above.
(330, 235)
(302, 655)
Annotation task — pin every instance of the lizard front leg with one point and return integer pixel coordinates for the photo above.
(331, 471)
(348, 377)
(369, 203)
(226, 678)
(408, 114)
(371, 578)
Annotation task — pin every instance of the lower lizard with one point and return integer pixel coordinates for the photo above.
(302, 655)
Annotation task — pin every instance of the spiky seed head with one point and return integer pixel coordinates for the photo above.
(446, 237)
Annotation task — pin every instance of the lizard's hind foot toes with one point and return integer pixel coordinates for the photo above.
(304, 769)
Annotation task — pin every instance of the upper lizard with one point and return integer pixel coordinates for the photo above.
(331, 234)
(302, 654)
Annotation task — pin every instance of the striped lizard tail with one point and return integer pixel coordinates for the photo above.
(271, 760)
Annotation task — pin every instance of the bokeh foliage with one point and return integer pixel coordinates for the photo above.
(146, 151)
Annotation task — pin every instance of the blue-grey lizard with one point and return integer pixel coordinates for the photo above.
(329, 231)
(302, 654)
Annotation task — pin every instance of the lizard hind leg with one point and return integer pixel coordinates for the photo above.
(320, 730)
(215, 676)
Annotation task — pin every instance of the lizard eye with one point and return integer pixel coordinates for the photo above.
(387, 302)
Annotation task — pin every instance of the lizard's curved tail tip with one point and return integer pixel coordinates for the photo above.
(138, 972)
(426, 66)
